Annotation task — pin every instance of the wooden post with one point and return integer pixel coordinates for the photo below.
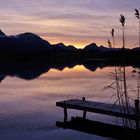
(65, 115)
(85, 112)
(137, 114)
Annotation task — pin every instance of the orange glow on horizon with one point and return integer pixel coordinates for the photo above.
(83, 43)
(77, 68)
(82, 68)
(73, 22)
(76, 43)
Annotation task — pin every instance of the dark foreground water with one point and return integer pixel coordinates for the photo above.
(28, 107)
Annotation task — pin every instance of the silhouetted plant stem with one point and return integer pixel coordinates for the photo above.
(122, 20)
(122, 93)
(116, 72)
(138, 81)
(123, 37)
(120, 85)
(139, 32)
(138, 86)
(125, 87)
(113, 37)
(109, 44)
(118, 77)
(139, 74)
(138, 17)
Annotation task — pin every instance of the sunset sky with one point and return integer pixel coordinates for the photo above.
(75, 22)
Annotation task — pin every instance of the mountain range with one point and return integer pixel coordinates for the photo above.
(28, 41)
(27, 56)
(31, 46)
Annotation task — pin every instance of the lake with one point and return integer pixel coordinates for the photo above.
(28, 106)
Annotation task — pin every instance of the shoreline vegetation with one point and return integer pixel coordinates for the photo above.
(120, 85)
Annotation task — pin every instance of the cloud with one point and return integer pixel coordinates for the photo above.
(81, 19)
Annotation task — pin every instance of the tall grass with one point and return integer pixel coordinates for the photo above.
(113, 37)
(138, 80)
(122, 20)
(138, 17)
(120, 89)
(120, 82)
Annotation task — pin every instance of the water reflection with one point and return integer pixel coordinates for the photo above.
(32, 70)
(128, 113)
(27, 107)
(99, 128)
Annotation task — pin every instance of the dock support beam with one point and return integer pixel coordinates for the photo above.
(65, 115)
(137, 114)
(85, 112)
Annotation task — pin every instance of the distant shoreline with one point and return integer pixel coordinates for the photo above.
(30, 47)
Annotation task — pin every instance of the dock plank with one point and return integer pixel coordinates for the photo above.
(98, 107)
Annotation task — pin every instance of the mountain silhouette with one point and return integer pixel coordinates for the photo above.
(29, 43)
(27, 56)
(31, 39)
(23, 43)
(92, 47)
(29, 46)
(61, 46)
(95, 47)
(29, 70)
(2, 34)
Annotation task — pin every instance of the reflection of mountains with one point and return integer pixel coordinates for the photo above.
(28, 71)
(31, 70)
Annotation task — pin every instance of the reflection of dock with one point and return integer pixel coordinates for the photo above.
(101, 108)
(98, 128)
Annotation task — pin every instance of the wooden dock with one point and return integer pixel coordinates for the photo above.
(101, 108)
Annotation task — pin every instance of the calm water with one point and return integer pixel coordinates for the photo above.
(27, 107)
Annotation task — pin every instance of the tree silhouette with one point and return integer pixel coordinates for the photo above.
(122, 20)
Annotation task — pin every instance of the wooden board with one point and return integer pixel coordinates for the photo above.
(97, 107)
